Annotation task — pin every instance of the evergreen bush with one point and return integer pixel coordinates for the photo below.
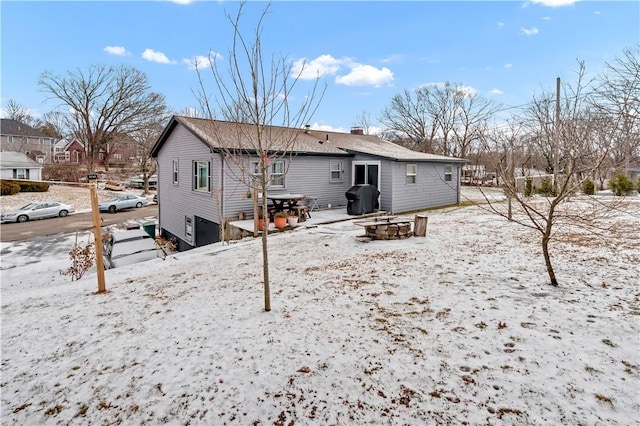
(621, 185)
(9, 187)
(589, 187)
(33, 186)
(528, 186)
(546, 187)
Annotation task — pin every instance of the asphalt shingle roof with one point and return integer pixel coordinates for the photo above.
(224, 134)
(16, 128)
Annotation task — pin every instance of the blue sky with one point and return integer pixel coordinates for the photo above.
(368, 50)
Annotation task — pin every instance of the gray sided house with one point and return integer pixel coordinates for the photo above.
(198, 185)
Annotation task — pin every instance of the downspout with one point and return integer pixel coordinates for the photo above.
(222, 204)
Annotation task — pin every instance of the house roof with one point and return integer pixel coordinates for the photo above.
(16, 128)
(13, 160)
(218, 135)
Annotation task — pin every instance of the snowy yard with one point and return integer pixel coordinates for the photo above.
(459, 327)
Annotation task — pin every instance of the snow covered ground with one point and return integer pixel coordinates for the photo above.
(459, 327)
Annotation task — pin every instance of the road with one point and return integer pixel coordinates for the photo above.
(72, 223)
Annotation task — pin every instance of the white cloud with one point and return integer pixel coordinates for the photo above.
(393, 59)
(467, 91)
(501, 25)
(359, 74)
(495, 91)
(529, 31)
(508, 66)
(546, 18)
(366, 75)
(201, 61)
(319, 67)
(182, 1)
(153, 56)
(116, 50)
(555, 3)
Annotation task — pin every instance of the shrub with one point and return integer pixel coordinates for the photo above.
(546, 187)
(621, 185)
(82, 259)
(33, 186)
(588, 187)
(9, 187)
(528, 186)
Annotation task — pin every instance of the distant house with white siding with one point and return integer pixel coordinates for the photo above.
(16, 165)
(324, 165)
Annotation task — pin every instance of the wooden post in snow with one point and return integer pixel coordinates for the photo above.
(97, 233)
(420, 225)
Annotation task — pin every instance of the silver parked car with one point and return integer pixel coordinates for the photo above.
(123, 248)
(38, 211)
(121, 202)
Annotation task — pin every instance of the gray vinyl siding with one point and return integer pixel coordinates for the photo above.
(308, 175)
(179, 200)
(430, 189)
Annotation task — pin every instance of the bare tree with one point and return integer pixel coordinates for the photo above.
(439, 118)
(15, 111)
(257, 94)
(105, 102)
(364, 122)
(578, 157)
(617, 102)
(144, 138)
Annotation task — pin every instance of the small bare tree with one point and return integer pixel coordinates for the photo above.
(257, 94)
(105, 102)
(570, 144)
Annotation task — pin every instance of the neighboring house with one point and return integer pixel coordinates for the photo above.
(16, 165)
(69, 151)
(193, 175)
(634, 174)
(19, 137)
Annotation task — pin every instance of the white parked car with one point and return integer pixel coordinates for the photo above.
(123, 248)
(121, 202)
(38, 211)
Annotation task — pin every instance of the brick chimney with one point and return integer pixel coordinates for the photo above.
(357, 131)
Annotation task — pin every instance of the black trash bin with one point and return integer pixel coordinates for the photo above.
(362, 199)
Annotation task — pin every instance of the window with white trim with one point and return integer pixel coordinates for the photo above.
(448, 172)
(188, 228)
(175, 172)
(412, 173)
(335, 170)
(21, 173)
(277, 174)
(201, 176)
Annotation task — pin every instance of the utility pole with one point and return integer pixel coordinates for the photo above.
(556, 139)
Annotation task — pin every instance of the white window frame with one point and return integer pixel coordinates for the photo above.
(448, 172)
(198, 166)
(336, 171)
(277, 175)
(412, 174)
(175, 172)
(188, 228)
(21, 173)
